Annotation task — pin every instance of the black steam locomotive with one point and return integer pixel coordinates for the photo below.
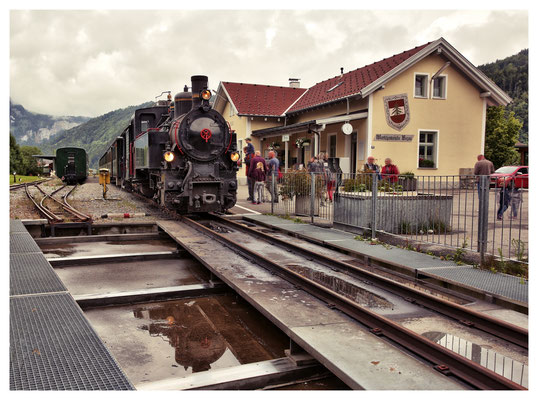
(181, 153)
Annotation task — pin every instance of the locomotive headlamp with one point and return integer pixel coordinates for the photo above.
(205, 94)
(234, 156)
(169, 156)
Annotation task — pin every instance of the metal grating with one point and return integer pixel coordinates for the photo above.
(31, 274)
(16, 226)
(53, 347)
(504, 285)
(507, 286)
(22, 243)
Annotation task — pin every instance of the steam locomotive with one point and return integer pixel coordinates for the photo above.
(181, 153)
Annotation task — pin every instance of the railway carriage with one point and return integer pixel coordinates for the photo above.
(71, 164)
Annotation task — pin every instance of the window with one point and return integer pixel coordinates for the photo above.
(439, 87)
(421, 85)
(427, 149)
(144, 126)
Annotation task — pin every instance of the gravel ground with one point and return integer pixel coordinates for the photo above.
(88, 198)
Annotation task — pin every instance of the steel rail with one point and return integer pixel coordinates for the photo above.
(80, 215)
(49, 215)
(464, 315)
(445, 361)
(66, 207)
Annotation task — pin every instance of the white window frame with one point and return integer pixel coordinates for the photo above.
(427, 85)
(445, 94)
(436, 147)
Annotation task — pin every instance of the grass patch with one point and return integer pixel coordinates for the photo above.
(23, 179)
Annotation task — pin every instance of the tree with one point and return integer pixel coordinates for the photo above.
(15, 157)
(502, 132)
(29, 163)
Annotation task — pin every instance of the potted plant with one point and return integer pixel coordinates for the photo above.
(424, 163)
(408, 181)
(298, 185)
(302, 142)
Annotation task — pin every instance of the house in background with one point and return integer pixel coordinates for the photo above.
(425, 108)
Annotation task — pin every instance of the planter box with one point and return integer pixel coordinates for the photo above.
(401, 213)
(302, 205)
(408, 184)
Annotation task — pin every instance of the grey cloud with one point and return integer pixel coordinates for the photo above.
(91, 62)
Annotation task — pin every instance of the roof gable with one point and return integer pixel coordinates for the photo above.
(263, 100)
(351, 82)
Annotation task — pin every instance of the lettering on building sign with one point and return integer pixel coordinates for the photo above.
(391, 137)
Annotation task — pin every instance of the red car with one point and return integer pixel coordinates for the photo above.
(511, 175)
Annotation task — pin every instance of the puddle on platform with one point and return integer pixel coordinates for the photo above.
(106, 248)
(502, 365)
(361, 296)
(177, 338)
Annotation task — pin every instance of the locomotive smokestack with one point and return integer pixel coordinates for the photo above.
(199, 83)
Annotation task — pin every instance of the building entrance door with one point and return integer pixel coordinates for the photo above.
(353, 153)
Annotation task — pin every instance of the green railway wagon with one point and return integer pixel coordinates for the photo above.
(71, 164)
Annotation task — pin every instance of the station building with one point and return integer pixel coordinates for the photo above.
(425, 108)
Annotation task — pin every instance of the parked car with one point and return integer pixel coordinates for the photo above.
(517, 176)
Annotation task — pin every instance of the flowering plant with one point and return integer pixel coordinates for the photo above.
(300, 142)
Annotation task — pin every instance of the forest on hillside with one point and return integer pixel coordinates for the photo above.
(511, 74)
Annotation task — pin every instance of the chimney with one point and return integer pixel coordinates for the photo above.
(295, 82)
(199, 83)
(341, 71)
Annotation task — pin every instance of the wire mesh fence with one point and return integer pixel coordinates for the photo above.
(459, 211)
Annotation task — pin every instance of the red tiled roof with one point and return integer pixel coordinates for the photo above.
(251, 99)
(352, 82)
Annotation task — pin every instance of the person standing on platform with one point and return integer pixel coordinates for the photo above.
(258, 176)
(371, 166)
(273, 167)
(390, 171)
(249, 155)
(482, 167)
(253, 163)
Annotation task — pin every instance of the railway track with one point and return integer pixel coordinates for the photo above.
(444, 360)
(23, 185)
(54, 210)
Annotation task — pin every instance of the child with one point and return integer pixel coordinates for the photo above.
(515, 202)
(259, 184)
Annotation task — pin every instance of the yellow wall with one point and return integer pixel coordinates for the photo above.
(458, 119)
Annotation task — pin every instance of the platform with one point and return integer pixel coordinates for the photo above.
(52, 345)
(504, 287)
(356, 356)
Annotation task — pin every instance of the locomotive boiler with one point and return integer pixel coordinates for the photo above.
(181, 153)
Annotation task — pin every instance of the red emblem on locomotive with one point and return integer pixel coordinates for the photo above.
(205, 134)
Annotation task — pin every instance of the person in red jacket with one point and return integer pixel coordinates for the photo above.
(390, 171)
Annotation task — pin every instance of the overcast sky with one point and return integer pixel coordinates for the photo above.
(92, 62)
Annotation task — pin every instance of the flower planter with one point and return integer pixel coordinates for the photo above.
(395, 213)
(303, 205)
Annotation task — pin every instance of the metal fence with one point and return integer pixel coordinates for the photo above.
(453, 211)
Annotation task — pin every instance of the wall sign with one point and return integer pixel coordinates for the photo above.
(391, 137)
(285, 138)
(397, 111)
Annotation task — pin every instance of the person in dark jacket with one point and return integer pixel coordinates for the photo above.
(258, 176)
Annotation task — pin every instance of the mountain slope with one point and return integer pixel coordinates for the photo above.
(94, 135)
(31, 129)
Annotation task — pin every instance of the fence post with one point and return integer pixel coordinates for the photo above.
(483, 206)
(272, 192)
(374, 204)
(312, 195)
